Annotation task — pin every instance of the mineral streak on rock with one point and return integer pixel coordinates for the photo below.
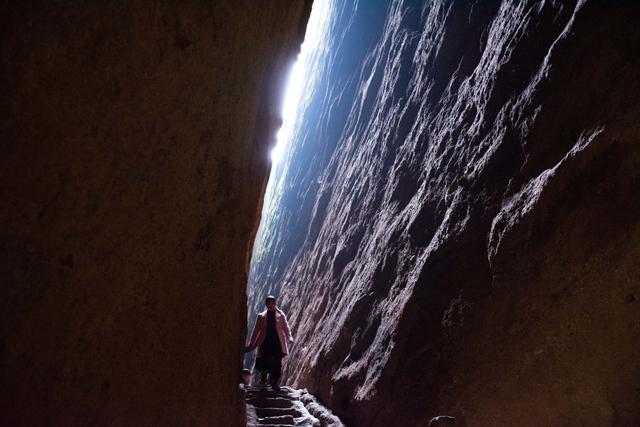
(455, 230)
(135, 139)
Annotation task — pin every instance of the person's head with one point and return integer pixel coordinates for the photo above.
(246, 376)
(270, 301)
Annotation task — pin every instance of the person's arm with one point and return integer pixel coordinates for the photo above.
(286, 328)
(255, 335)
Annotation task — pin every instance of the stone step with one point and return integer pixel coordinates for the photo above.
(268, 394)
(281, 420)
(285, 408)
(272, 402)
(272, 412)
(283, 390)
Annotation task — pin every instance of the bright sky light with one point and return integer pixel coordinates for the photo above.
(299, 92)
(290, 107)
(299, 75)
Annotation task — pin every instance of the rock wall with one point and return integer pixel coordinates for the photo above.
(135, 139)
(455, 229)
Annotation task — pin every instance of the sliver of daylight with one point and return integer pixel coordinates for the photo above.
(301, 76)
(299, 91)
(301, 87)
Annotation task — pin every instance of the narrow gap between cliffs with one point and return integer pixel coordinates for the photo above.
(265, 392)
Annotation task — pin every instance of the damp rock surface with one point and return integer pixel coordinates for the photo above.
(135, 139)
(455, 228)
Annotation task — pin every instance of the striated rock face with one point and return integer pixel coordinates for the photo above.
(135, 141)
(455, 230)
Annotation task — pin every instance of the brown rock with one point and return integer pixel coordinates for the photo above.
(135, 139)
(442, 420)
(457, 224)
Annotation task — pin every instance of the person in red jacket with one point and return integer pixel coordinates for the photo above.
(271, 335)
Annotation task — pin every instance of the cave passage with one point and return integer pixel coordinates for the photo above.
(298, 91)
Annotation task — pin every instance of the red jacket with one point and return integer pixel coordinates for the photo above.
(260, 331)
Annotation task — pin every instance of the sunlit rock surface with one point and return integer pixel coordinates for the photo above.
(454, 231)
(135, 139)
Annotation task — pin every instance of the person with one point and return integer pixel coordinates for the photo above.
(246, 377)
(271, 335)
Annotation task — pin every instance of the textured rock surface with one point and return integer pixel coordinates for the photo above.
(455, 230)
(135, 141)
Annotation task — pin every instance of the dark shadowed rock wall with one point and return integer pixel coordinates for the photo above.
(135, 140)
(455, 230)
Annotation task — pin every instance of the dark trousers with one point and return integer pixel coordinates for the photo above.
(271, 364)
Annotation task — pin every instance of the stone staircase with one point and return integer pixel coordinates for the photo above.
(287, 407)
